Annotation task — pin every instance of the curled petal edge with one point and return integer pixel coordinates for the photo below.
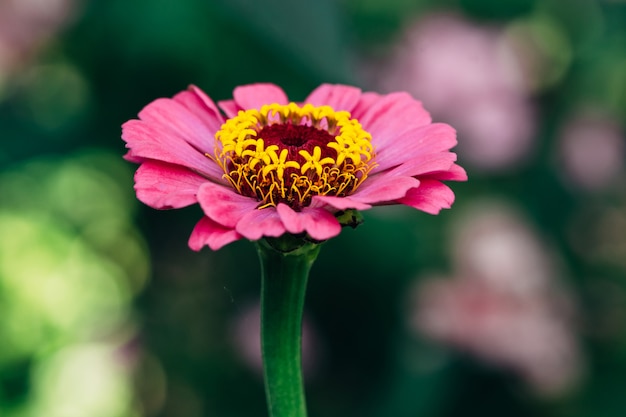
(211, 234)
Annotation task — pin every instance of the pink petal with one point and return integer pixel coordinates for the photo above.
(387, 117)
(317, 222)
(258, 223)
(339, 97)
(201, 105)
(423, 166)
(366, 101)
(254, 96)
(431, 196)
(165, 186)
(132, 158)
(384, 189)
(229, 107)
(339, 203)
(207, 232)
(428, 139)
(455, 173)
(147, 140)
(171, 117)
(223, 205)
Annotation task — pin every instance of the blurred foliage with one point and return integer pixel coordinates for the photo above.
(70, 262)
(106, 312)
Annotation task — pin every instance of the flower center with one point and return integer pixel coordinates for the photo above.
(288, 154)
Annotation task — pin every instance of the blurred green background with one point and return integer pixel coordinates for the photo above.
(513, 303)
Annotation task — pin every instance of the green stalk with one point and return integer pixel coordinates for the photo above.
(285, 265)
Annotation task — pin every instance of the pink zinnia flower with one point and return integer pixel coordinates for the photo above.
(267, 166)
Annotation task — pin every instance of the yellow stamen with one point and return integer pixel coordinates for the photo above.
(279, 163)
(313, 161)
(272, 176)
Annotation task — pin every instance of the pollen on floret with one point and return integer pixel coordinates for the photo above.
(288, 153)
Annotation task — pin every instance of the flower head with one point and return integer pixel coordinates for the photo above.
(264, 166)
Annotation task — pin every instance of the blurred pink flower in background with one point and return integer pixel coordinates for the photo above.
(504, 304)
(26, 25)
(471, 77)
(591, 151)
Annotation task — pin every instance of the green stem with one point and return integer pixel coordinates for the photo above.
(284, 280)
